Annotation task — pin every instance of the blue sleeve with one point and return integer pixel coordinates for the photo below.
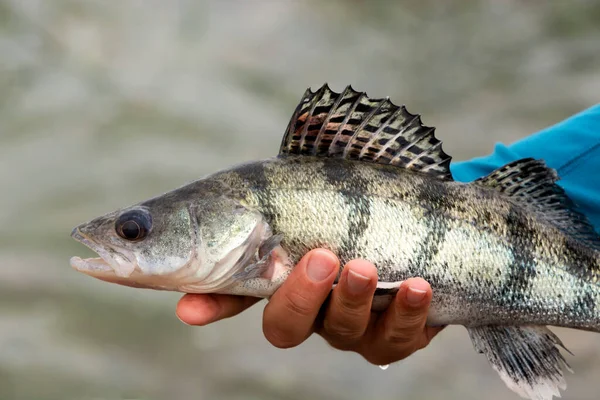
(572, 147)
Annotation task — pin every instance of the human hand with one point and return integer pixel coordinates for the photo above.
(346, 322)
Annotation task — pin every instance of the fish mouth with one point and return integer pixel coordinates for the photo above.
(109, 262)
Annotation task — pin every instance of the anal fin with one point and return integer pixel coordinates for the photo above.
(527, 358)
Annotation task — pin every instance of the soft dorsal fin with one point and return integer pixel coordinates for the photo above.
(532, 183)
(350, 125)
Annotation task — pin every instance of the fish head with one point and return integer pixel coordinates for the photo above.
(176, 242)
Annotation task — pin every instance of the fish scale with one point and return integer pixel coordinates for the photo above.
(418, 241)
(506, 255)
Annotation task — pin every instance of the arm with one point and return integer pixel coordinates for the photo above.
(294, 312)
(572, 147)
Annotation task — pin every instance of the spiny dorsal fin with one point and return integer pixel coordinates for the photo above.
(351, 125)
(532, 183)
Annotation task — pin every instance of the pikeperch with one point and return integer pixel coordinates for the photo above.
(506, 255)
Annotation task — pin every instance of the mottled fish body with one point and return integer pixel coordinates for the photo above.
(488, 259)
(506, 255)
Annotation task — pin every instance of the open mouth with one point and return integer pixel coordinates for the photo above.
(105, 264)
(90, 264)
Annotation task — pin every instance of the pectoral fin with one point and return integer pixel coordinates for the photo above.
(261, 266)
(527, 358)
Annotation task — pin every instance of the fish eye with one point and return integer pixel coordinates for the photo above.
(134, 225)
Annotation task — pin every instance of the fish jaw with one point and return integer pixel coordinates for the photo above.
(109, 263)
(117, 268)
(91, 265)
(100, 269)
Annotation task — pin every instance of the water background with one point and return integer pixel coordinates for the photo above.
(105, 103)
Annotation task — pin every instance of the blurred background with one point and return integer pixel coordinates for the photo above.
(106, 103)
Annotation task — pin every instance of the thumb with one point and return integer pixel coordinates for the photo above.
(404, 322)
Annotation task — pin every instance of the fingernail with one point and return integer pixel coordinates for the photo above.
(415, 296)
(357, 283)
(319, 267)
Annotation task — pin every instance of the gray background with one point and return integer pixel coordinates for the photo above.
(105, 103)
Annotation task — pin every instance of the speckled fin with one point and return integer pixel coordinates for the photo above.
(350, 125)
(527, 358)
(532, 183)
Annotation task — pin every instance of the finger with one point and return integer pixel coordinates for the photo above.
(349, 310)
(403, 324)
(203, 309)
(290, 314)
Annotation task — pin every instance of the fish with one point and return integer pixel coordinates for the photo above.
(507, 255)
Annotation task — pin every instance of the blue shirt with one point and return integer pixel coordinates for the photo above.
(572, 147)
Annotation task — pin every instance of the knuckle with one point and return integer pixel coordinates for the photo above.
(351, 308)
(406, 335)
(344, 321)
(403, 346)
(339, 333)
(345, 316)
(297, 303)
(397, 337)
(408, 321)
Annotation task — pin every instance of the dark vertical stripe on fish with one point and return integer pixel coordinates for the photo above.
(435, 201)
(521, 273)
(351, 187)
(581, 261)
(582, 309)
(256, 175)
